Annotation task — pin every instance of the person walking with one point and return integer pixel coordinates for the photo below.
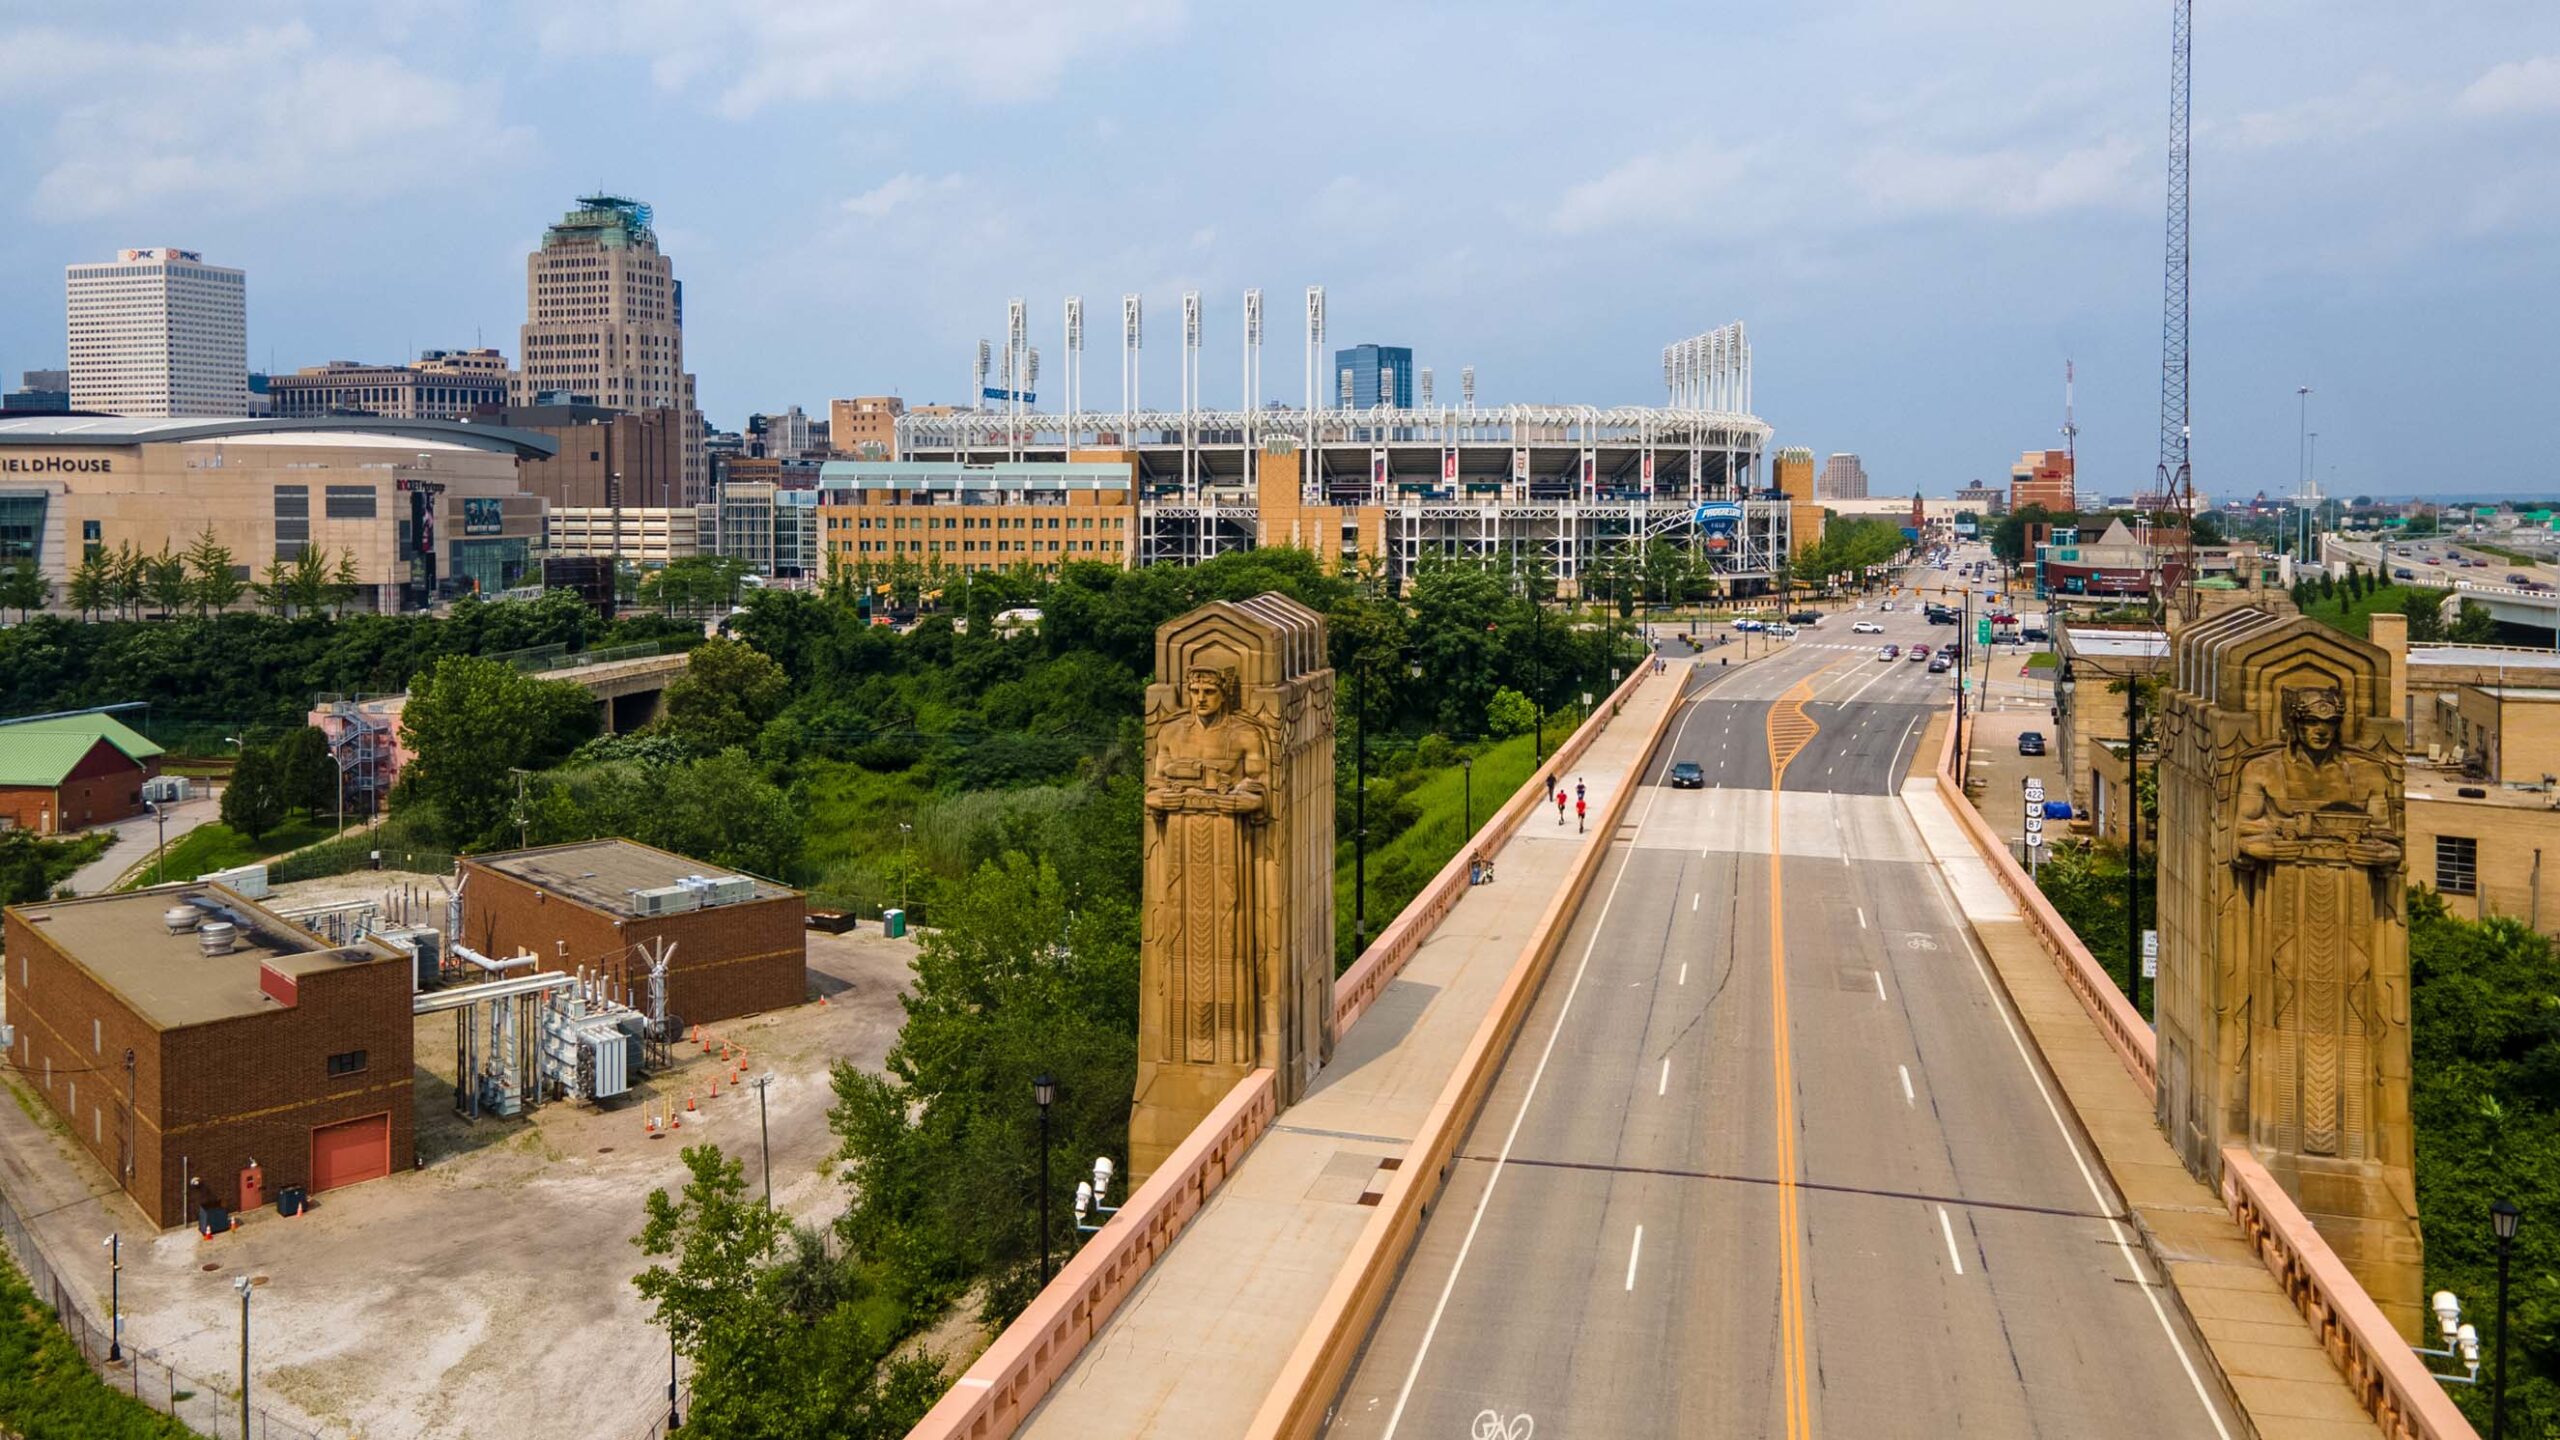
(1559, 809)
(1579, 821)
(1577, 790)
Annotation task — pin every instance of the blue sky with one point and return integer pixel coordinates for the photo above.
(1919, 207)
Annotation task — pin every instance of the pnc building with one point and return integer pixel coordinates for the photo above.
(604, 319)
(158, 333)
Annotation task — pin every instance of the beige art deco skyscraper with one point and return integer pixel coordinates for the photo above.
(604, 320)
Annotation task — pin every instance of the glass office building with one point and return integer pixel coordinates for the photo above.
(1370, 376)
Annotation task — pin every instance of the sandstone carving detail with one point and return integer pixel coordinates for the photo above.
(1236, 962)
(2283, 999)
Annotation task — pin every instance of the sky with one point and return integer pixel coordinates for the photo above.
(1919, 208)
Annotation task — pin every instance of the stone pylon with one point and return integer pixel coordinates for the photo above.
(2283, 999)
(1236, 961)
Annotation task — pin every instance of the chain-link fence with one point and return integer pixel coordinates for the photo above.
(210, 1410)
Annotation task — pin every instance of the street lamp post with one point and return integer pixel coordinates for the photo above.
(764, 1125)
(675, 1419)
(160, 856)
(1359, 814)
(1467, 789)
(1044, 1089)
(2504, 1217)
(115, 1298)
(241, 1284)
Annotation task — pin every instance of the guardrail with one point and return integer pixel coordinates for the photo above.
(1359, 987)
(2128, 1034)
(1317, 1368)
(1007, 1382)
(2389, 1380)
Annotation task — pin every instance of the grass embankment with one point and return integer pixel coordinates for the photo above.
(47, 1389)
(1425, 807)
(216, 846)
(2355, 615)
(404, 846)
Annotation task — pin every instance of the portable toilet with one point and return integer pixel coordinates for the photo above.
(893, 923)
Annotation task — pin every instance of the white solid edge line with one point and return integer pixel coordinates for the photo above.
(1634, 1251)
(1440, 1307)
(1947, 1228)
(2071, 1142)
(1907, 1097)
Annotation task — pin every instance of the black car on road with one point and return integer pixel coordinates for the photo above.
(2030, 742)
(1685, 775)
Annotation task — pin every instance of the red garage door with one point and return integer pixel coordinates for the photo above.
(346, 1153)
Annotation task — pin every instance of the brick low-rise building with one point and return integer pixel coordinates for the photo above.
(179, 1062)
(740, 945)
(69, 772)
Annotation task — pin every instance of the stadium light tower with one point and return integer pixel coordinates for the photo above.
(1467, 386)
(1072, 382)
(1132, 337)
(1252, 365)
(1315, 398)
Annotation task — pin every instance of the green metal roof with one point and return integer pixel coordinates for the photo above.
(42, 752)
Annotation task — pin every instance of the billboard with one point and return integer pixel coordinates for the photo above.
(483, 515)
(1719, 521)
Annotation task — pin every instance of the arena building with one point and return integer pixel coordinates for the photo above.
(1562, 484)
(425, 509)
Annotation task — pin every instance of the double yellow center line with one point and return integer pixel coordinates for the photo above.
(1790, 730)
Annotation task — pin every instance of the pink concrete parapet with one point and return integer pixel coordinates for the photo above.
(2387, 1376)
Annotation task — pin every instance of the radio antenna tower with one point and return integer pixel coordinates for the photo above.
(2176, 483)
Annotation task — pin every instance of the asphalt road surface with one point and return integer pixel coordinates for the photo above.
(1745, 1179)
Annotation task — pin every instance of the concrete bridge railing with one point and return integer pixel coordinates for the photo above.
(2389, 1380)
(2387, 1377)
(1008, 1381)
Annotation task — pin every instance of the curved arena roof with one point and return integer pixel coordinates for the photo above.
(123, 430)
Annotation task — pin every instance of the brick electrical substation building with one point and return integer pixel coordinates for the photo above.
(740, 942)
(180, 1052)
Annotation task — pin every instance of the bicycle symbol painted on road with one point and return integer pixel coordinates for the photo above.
(1491, 1426)
(1915, 940)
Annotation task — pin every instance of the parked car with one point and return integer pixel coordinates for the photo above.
(2030, 742)
(1866, 627)
(1686, 775)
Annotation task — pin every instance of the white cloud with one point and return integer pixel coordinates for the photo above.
(245, 121)
(756, 53)
(2373, 104)
(1667, 186)
(2007, 182)
(896, 192)
(2519, 87)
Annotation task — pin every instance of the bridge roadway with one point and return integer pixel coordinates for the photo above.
(1744, 1178)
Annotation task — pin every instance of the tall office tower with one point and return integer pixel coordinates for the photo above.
(1377, 375)
(1843, 478)
(604, 322)
(159, 333)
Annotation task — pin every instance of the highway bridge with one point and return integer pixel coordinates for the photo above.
(1772, 1107)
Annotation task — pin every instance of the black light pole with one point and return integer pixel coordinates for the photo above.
(2132, 844)
(1044, 1089)
(241, 1284)
(1360, 808)
(675, 1420)
(765, 1125)
(115, 1298)
(2504, 1217)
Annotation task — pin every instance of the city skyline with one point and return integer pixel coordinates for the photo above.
(1977, 200)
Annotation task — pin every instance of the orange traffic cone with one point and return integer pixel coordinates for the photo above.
(688, 1102)
(653, 1122)
(715, 1087)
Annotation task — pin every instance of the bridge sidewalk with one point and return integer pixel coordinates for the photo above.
(1199, 1344)
(2270, 1361)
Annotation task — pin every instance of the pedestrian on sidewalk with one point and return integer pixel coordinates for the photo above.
(1579, 812)
(1577, 790)
(1559, 809)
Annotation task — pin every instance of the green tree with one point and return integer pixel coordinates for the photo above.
(93, 584)
(2473, 625)
(304, 774)
(166, 579)
(254, 802)
(130, 578)
(786, 1345)
(469, 722)
(307, 582)
(344, 581)
(1015, 981)
(209, 575)
(24, 589)
(1509, 714)
(274, 587)
(728, 690)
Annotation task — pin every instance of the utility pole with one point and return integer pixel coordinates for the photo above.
(524, 821)
(2133, 842)
(764, 1125)
(2177, 477)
